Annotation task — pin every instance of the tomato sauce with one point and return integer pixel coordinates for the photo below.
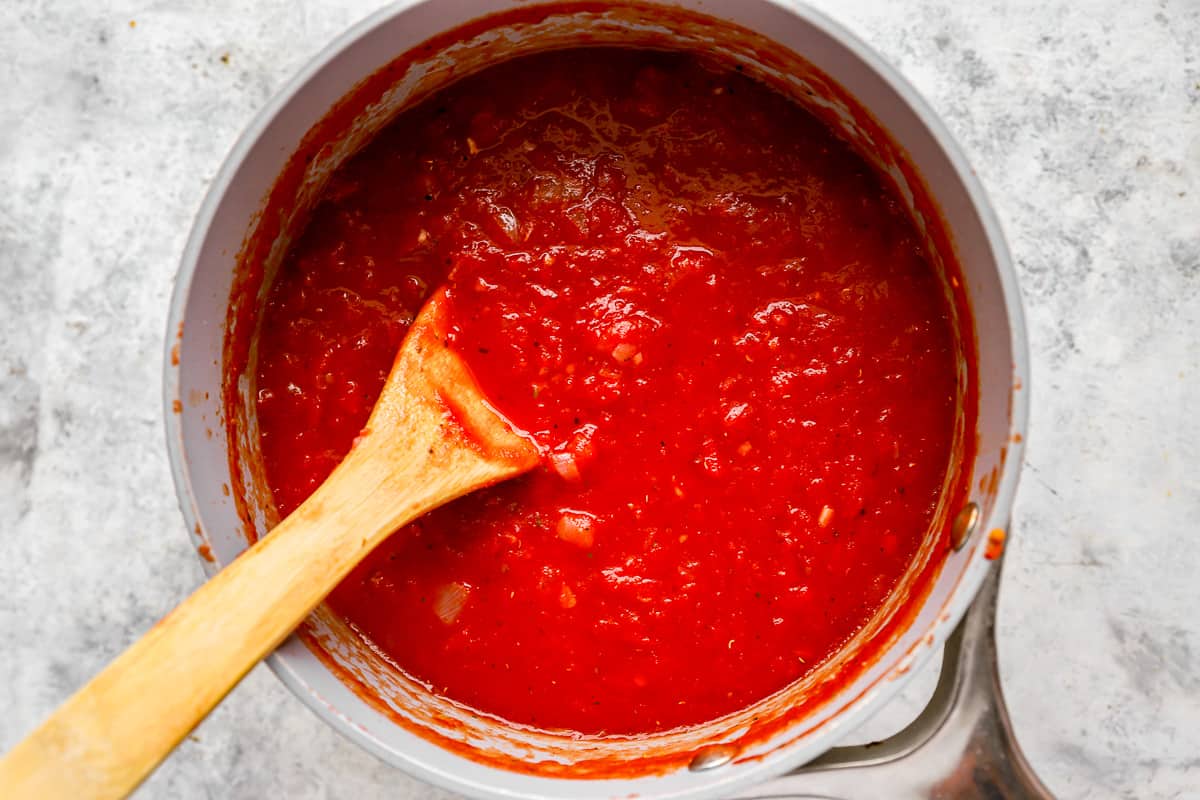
(718, 325)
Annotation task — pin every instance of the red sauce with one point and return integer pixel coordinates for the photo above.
(717, 323)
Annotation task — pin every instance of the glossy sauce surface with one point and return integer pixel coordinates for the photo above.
(715, 321)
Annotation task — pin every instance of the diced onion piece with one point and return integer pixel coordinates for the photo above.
(566, 598)
(576, 528)
(581, 444)
(507, 221)
(564, 464)
(449, 600)
(570, 457)
(363, 434)
(625, 352)
(736, 412)
(826, 517)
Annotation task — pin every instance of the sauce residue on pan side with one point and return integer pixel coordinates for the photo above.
(718, 324)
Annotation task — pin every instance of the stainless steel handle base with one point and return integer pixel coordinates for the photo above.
(961, 746)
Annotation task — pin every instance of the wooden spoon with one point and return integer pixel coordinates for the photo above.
(431, 438)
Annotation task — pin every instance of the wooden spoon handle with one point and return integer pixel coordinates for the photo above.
(431, 438)
(108, 737)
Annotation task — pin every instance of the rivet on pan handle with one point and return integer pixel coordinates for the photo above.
(711, 757)
(964, 525)
(961, 747)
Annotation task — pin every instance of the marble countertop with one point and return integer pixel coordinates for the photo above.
(1083, 121)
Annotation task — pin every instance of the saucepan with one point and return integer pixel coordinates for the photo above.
(258, 202)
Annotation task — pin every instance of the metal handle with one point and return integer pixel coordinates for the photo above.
(961, 746)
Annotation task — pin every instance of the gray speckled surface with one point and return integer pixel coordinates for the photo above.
(1082, 119)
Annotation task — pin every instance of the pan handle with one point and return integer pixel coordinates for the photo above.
(961, 746)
